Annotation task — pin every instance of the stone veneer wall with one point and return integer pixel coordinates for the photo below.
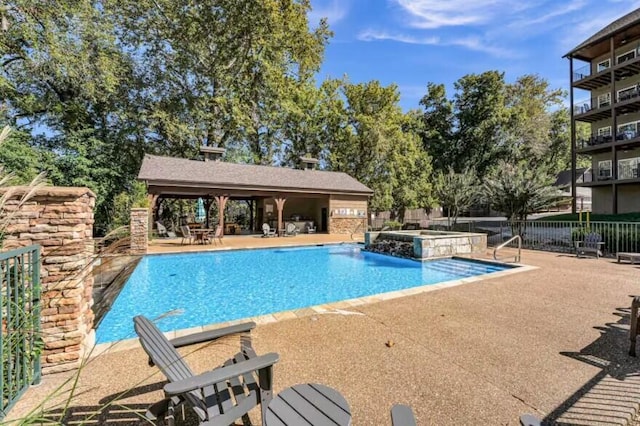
(139, 227)
(60, 220)
(342, 225)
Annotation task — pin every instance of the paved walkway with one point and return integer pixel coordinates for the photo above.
(174, 245)
(550, 341)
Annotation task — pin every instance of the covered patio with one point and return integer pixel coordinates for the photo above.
(312, 200)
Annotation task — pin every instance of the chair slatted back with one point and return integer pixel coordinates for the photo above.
(166, 357)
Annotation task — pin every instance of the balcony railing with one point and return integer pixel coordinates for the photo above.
(605, 175)
(582, 72)
(595, 140)
(587, 105)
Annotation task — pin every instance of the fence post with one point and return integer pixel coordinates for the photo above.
(617, 237)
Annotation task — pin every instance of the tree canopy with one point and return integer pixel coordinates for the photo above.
(90, 87)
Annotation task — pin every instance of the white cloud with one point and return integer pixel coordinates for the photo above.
(430, 14)
(555, 13)
(470, 43)
(373, 35)
(333, 10)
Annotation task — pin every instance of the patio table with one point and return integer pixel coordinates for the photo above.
(201, 234)
(308, 404)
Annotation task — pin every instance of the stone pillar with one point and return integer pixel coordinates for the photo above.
(139, 226)
(60, 220)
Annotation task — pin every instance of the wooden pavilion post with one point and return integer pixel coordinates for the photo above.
(280, 206)
(221, 201)
(153, 208)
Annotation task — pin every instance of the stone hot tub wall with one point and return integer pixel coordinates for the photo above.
(60, 220)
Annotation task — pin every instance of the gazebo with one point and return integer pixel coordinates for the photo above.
(332, 202)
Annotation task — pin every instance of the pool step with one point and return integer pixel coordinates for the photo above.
(462, 268)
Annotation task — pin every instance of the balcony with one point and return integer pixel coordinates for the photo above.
(591, 110)
(601, 143)
(604, 179)
(583, 78)
(626, 65)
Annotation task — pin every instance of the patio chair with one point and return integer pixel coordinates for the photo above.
(267, 231)
(291, 230)
(186, 235)
(218, 397)
(218, 234)
(162, 231)
(592, 244)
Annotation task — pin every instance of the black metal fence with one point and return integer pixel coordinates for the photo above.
(21, 343)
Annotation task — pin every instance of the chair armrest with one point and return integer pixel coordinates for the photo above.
(221, 374)
(206, 336)
(402, 415)
(579, 244)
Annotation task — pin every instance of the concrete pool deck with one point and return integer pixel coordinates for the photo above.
(551, 341)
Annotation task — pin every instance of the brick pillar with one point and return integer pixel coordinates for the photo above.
(60, 220)
(139, 230)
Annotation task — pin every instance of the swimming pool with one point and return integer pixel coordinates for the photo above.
(210, 287)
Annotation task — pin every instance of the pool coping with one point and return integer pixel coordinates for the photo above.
(341, 307)
(225, 249)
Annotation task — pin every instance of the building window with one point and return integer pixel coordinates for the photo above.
(627, 93)
(604, 100)
(628, 130)
(628, 168)
(603, 65)
(627, 56)
(604, 131)
(604, 170)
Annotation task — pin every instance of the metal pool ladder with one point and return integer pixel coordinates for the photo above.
(514, 238)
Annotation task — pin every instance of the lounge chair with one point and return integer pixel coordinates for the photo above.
(186, 235)
(592, 244)
(218, 397)
(267, 231)
(291, 230)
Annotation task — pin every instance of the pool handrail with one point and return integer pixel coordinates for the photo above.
(510, 240)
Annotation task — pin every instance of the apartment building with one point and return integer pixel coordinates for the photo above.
(605, 95)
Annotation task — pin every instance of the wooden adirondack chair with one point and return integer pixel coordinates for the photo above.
(592, 244)
(218, 397)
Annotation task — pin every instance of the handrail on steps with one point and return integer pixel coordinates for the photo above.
(515, 237)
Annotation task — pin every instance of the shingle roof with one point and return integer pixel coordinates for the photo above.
(222, 174)
(614, 27)
(564, 177)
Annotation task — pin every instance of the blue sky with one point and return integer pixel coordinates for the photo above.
(413, 42)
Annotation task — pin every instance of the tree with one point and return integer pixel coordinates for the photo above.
(437, 132)
(379, 146)
(481, 117)
(518, 190)
(456, 192)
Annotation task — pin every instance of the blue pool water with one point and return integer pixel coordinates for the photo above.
(205, 288)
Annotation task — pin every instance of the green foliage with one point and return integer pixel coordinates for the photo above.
(456, 192)
(489, 120)
(518, 190)
(392, 225)
(378, 145)
(126, 200)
